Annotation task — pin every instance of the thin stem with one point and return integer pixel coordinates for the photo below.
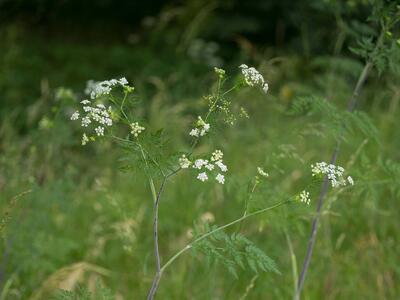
(324, 189)
(157, 277)
(190, 245)
(293, 261)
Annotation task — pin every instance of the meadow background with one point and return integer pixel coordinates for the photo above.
(83, 220)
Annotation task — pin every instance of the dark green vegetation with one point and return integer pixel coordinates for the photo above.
(82, 221)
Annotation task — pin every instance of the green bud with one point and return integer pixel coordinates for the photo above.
(219, 72)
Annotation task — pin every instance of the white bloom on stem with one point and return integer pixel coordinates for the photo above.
(217, 155)
(99, 130)
(221, 165)
(199, 163)
(209, 167)
(136, 129)
(305, 197)
(201, 128)
(97, 89)
(332, 172)
(194, 132)
(350, 180)
(253, 78)
(202, 176)
(86, 121)
(262, 172)
(75, 116)
(184, 162)
(265, 88)
(220, 178)
(85, 139)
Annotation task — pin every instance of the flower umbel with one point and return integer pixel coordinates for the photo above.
(305, 197)
(334, 173)
(97, 89)
(253, 78)
(201, 128)
(206, 166)
(136, 129)
(184, 162)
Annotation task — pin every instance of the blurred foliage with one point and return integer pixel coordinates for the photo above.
(82, 221)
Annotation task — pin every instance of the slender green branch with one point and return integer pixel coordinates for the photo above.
(190, 245)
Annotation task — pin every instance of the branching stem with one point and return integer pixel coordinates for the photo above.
(324, 188)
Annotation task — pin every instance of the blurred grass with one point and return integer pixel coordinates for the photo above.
(83, 209)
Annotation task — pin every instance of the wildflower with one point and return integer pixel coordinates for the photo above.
(201, 128)
(219, 72)
(86, 121)
(253, 78)
(75, 116)
(305, 197)
(262, 172)
(99, 130)
(217, 155)
(209, 167)
(184, 162)
(221, 165)
(220, 178)
(265, 88)
(97, 89)
(85, 139)
(202, 176)
(136, 129)
(199, 163)
(333, 173)
(350, 180)
(194, 132)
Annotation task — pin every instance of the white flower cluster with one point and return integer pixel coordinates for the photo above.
(96, 89)
(215, 163)
(253, 77)
(201, 128)
(136, 129)
(97, 114)
(305, 197)
(334, 174)
(262, 172)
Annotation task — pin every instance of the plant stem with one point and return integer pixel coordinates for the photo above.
(324, 189)
(157, 277)
(190, 245)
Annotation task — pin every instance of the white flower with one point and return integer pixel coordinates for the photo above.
(123, 81)
(194, 132)
(99, 130)
(253, 78)
(75, 116)
(199, 163)
(333, 173)
(86, 121)
(305, 197)
(220, 178)
(96, 89)
(201, 128)
(85, 102)
(262, 172)
(202, 176)
(209, 167)
(85, 139)
(350, 180)
(136, 129)
(184, 162)
(265, 88)
(221, 165)
(217, 155)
